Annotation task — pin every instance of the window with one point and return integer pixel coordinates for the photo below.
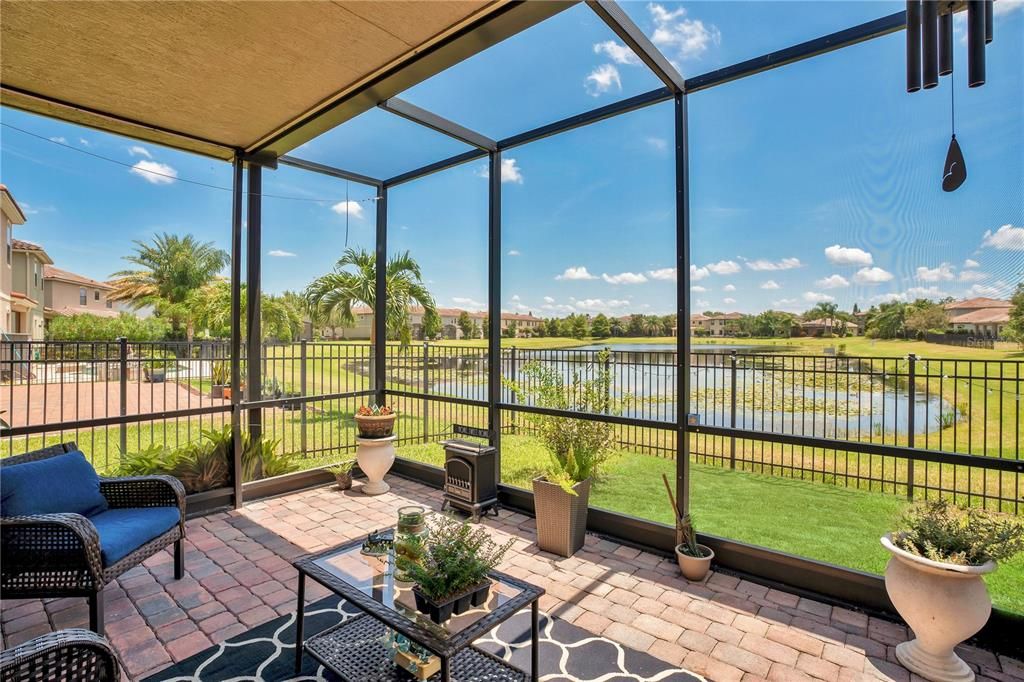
(35, 273)
(83, 297)
(110, 304)
(10, 243)
(96, 295)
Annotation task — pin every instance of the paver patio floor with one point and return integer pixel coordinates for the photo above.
(239, 574)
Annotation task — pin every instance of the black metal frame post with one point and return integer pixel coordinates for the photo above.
(236, 328)
(380, 319)
(494, 306)
(254, 379)
(682, 304)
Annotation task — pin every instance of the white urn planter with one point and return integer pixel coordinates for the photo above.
(943, 604)
(375, 457)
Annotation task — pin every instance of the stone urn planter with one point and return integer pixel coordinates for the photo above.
(561, 517)
(375, 457)
(943, 604)
(693, 567)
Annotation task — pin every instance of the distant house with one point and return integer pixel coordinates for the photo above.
(984, 317)
(826, 327)
(722, 324)
(10, 312)
(30, 260)
(449, 323)
(68, 293)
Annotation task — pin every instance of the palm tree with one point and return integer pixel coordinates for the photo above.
(169, 270)
(825, 311)
(334, 295)
(210, 309)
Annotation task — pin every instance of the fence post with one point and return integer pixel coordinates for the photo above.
(732, 410)
(426, 385)
(911, 398)
(123, 380)
(513, 371)
(608, 383)
(302, 390)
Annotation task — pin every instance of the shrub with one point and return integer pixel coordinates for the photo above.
(96, 328)
(941, 531)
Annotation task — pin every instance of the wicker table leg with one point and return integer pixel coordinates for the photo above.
(96, 611)
(300, 614)
(534, 648)
(446, 670)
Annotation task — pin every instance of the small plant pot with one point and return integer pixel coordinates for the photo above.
(561, 517)
(217, 391)
(291, 406)
(344, 480)
(482, 594)
(375, 426)
(694, 568)
(439, 612)
(156, 376)
(226, 393)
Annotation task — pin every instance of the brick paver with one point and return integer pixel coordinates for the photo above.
(239, 574)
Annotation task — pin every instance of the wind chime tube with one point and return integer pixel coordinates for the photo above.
(913, 45)
(975, 43)
(988, 21)
(946, 44)
(930, 43)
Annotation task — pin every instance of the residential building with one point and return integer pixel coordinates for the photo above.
(984, 317)
(826, 327)
(68, 293)
(525, 323)
(10, 215)
(718, 324)
(27, 289)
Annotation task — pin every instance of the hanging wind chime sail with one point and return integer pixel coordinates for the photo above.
(930, 55)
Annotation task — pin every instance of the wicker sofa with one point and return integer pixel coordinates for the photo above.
(67, 656)
(69, 554)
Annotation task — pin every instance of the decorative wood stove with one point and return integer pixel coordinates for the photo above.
(469, 477)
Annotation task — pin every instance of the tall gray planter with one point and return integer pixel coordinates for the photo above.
(561, 517)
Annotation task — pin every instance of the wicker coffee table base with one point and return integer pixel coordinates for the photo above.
(355, 651)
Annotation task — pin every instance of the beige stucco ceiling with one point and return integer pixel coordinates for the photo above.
(210, 76)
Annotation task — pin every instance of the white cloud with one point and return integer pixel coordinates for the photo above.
(971, 263)
(513, 252)
(351, 208)
(815, 297)
(832, 282)
(138, 150)
(59, 140)
(600, 304)
(1006, 238)
(278, 253)
(1004, 7)
(729, 287)
(84, 142)
(848, 255)
(696, 288)
(602, 79)
(576, 273)
(942, 273)
(666, 274)
(701, 303)
(729, 300)
(932, 292)
(548, 299)
(468, 302)
(888, 298)
(972, 276)
(724, 267)
(658, 144)
(680, 37)
(617, 52)
(624, 278)
(770, 284)
(154, 172)
(985, 290)
(511, 172)
(871, 276)
(697, 274)
(762, 265)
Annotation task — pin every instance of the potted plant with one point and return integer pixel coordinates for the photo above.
(218, 379)
(155, 371)
(694, 559)
(343, 474)
(373, 421)
(934, 579)
(451, 575)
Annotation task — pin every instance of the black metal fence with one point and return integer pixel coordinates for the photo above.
(115, 397)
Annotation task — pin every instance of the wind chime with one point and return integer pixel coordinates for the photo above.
(930, 55)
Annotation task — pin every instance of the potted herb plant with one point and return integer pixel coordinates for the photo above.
(934, 579)
(218, 379)
(694, 559)
(451, 575)
(343, 474)
(375, 421)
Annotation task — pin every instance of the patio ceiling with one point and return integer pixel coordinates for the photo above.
(216, 77)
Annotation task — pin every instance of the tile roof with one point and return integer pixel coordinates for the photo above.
(980, 302)
(983, 316)
(50, 272)
(72, 311)
(22, 245)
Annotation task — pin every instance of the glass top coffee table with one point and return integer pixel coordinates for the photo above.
(357, 648)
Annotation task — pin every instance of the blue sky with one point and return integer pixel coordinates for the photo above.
(813, 182)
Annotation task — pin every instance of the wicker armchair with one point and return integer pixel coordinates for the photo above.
(67, 656)
(59, 555)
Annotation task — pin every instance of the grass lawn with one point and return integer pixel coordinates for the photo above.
(837, 525)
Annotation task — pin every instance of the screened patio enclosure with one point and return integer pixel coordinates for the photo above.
(302, 124)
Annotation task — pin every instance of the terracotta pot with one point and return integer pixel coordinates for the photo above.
(217, 391)
(943, 604)
(375, 426)
(344, 480)
(694, 568)
(561, 517)
(375, 457)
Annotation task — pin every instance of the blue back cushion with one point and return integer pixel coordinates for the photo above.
(61, 484)
(122, 531)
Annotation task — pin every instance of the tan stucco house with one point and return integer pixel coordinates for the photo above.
(27, 289)
(68, 293)
(10, 215)
(984, 317)
(449, 323)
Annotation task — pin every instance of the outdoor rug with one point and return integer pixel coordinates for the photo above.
(567, 653)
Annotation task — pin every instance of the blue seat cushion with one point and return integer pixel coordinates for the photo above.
(60, 484)
(122, 531)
